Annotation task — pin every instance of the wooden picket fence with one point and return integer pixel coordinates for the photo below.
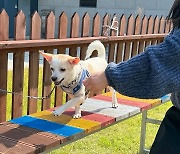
(134, 35)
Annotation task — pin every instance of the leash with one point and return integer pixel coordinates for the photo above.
(31, 97)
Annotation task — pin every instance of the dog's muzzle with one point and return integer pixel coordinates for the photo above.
(57, 83)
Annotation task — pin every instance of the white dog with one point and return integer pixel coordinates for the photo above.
(68, 72)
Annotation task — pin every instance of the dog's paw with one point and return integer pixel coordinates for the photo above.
(77, 116)
(56, 113)
(114, 106)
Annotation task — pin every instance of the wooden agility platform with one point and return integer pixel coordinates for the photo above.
(42, 131)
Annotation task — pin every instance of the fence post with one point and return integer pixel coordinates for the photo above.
(130, 31)
(96, 29)
(143, 31)
(18, 66)
(135, 44)
(4, 33)
(34, 64)
(63, 25)
(122, 31)
(74, 32)
(85, 33)
(50, 29)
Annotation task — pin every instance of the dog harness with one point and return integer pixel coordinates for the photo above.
(76, 84)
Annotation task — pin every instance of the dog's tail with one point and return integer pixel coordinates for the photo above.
(96, 45)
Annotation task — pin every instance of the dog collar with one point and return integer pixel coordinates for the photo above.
(73, 90)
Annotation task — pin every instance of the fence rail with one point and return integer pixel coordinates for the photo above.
(134, 34)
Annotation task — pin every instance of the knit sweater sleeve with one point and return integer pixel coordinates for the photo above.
(151, 74)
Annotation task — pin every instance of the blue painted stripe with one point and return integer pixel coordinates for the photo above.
(47, 126)
(165, 98)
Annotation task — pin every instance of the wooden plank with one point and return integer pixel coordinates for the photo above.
(87, 125)
(96, 30)
(60, 139)
(150, 29)
(105, 108)
(11, 146)
(105, 24)
(55, 128)
(50, 29)
(4, 26)
(122, 32)
(30, 137)
(3, 84)
(34, 64)
(103, 119)
(85, 33)
(113, 47)
(122, 98)
(140, 105)
(130, 31)
(96, 25)
(162, 25)
(18, 67)
(118, 95)
(69, 42)
(74, 32)
(4, 33)
(165, 98)
(135, 44)
(143, 31)
(63, 25)
(156, 29)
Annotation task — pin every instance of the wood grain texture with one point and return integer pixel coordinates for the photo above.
(18, 66)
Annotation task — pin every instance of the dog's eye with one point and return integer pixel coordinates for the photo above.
(52, 69)
(62, 69)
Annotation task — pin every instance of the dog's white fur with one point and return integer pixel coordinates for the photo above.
(66, 68)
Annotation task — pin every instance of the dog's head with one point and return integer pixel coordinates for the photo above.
(63, 67)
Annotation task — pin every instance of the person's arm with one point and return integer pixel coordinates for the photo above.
(152, 74)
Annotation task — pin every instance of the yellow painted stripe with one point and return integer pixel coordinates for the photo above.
(87, 125)
(149, 101)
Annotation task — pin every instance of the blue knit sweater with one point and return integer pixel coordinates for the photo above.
(151, 74)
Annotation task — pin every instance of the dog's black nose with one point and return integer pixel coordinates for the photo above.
(53, 78)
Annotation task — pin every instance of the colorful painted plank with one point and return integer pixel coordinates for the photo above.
(10, 146)
(59, 138)
(42, 131)
(143, 104)
(48, 126)
(105, 108)
(102, 119)
(30, 136)
(165, 98)
(87, 125)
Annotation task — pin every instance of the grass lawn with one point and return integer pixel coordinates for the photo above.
(122, 138)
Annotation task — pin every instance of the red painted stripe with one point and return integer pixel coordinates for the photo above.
(103, 119)
(141, 105)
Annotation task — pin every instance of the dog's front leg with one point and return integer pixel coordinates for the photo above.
(77, 114)
(76, 101)
(114, 98)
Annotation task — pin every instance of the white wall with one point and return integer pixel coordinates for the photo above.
(127, 7)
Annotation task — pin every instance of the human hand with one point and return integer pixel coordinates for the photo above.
(96, 83)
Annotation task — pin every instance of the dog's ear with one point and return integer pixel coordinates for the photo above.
(47, 56)
(74, 60)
